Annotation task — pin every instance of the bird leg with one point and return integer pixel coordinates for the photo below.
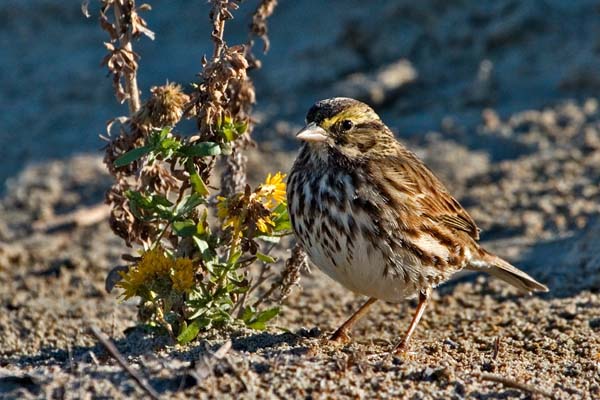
(402, 345)
(341, 334)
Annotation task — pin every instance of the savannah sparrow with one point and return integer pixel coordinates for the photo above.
(373, 217)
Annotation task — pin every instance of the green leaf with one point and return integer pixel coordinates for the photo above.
(131, 156)
(158, 136)
(280, 209)
(248, 314)
(160, 201)
(228, 133)
(170, 144)
(164, 132)
(230, 130)
(201, 244)
(241, 127)
(259, 321)
(267, 315)
(265, 258)
(203, 149)
(234, 258)
(259, 326)
(282, 221)
(269, 239)
(190, 332)
(200, 312)
(198, 184)
(154, 206)
(225, 303)
(185, 228)
(208, 253)
(188, 204)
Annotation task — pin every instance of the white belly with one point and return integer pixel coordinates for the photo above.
(371, 270)
(364, 278)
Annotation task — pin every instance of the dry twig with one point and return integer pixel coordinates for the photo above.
(508, 382)
(496, 347)
(294, 265)
(131, 86)
(114, 352)
(121, 60)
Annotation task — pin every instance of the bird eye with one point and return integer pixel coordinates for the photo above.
(347, 125)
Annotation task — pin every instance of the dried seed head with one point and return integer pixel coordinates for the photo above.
(163, 108)
(157, 179)
(294, 266)
(122, 221)
(224, 90)
(129, 137)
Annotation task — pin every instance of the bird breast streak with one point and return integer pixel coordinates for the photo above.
(339, 234)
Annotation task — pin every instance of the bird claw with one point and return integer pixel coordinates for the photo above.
(399, 349)
(339, 337)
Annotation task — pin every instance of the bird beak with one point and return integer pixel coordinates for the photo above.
(312, 133)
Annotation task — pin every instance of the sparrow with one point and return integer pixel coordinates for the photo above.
(374, 218)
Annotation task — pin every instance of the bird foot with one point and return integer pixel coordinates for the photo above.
(339, 337)
(399, 348)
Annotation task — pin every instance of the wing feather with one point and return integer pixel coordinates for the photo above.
(420, 192)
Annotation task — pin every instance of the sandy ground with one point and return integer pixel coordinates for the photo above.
(54, 290)
(512, 128)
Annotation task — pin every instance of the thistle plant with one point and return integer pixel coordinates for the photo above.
(196, 244)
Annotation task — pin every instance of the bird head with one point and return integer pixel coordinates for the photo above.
(343, 124)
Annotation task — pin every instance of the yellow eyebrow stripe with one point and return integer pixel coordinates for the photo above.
(350, 114)
(328, 123)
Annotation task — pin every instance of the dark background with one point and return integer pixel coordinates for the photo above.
(468, 55)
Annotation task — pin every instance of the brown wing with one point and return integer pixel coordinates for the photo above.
(420, 192)
(441, 207)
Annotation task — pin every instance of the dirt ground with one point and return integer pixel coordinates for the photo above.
(53, 291)
(512, 128)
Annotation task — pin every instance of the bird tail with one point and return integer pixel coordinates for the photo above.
(499, 268)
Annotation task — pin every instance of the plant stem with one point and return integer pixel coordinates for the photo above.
(131, 85)
(219, 45)
(161, 234)
(268, 293)
(160, 317)
(218, 26)
(234, 246)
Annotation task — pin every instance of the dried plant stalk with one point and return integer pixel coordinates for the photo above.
(191, 275)
(130, 74)
(259, 21)
(294, 266)
(290, 276)
(233, 178)
(226, 93)
(122, 61)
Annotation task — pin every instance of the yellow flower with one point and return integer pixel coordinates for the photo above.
(222, 207)
(131, 283)
(272, 192)
(263, 224)
(153, 266)
(154, 263)
(183, 275)
(244, 209)
(228, 211)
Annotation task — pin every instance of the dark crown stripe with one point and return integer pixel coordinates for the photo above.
(325, 109)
